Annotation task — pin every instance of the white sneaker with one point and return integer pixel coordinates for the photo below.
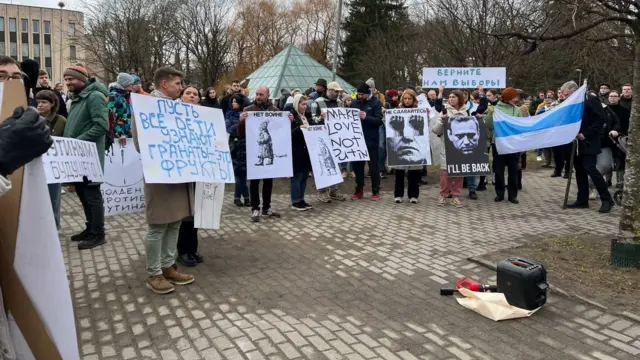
(413, 200)
(539, 158)
(456, 202)
(442, 201)
(593, 195)
(398, 200)
(324, 197)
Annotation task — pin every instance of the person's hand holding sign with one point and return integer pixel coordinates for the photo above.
(363, 115)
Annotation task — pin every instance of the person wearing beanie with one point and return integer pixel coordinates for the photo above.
(507, 105)
(371, 118)
(118, 103)
(301, 161)
(603, 94)
(137, 85)
(88, 121)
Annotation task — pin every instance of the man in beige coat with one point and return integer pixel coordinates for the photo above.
(166, 206)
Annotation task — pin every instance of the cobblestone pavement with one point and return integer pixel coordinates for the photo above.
(354, 280)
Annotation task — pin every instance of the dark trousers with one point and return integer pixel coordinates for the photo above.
(93, 206)
(585, 167)
(510, 161)
(562, 157)
(358, 168)
(413, 183)
(241, 186)
(187, 238)
(254, 187)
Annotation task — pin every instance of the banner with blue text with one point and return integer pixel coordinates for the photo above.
(458, 77)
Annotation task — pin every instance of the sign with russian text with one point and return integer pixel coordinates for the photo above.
(269, 152)
(72, 160)
(208, 206)
(345, 132)
(407, 137)
(459, 77)
(123, 187)
(181, 142)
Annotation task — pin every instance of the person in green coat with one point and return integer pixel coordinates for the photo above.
(89, 121)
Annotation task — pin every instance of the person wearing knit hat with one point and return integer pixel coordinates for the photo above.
(89, 121)
(126, 81)
(506, 105)
(118, 103)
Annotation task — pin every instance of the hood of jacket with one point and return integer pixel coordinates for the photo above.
(451, 111)
(92, 85)
(508, 109)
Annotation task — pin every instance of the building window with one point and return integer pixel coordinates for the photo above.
(47, 27)
(36, 26)
(13, 50)
(2, 23)
(25, 50)
(72, 29)
(24, 25)
(3, 50)
(12, 25)
(36, 50)
(47, 50)
(72, 52)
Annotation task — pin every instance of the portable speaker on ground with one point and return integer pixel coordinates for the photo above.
(523, 283)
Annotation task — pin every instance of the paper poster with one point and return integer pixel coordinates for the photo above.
(326, 171)
(72, 160)
(434, 140)
(123, 187)
(423, 103)
(460, 77)
(181, 142)
(465, 139)
(407, 137)
(208, 208)
(345, 132)
(269, 153)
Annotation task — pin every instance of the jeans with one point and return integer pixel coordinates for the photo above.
(93, 206)
(187, 238)
(510, 161)
(358, 168)
(55, 193)
(298, 186)
(450, 185)
(413, 183)
(472, 183)
(242, 190)
(585, 167)
(267, 187)
(161, 246)
(382, 155)
(604, 164)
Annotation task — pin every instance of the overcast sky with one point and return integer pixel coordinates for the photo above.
(43, 3)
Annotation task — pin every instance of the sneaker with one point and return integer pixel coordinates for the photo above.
(398, 200)
(357, 195)
(352, 174)
(91, 242)
(255, 216)
(383, 175)
(539, 158)
(63, 191)
(456, 202)
(593, 195)
(345, 174)
(307, 205)
(375, 197)
(555, 175)
(198, 257)
(81, 236)
(187, 260)
(442, 201)
(413, 200)
(247, 203)
(337, 195)
(324, 197)
(498, 198)
(299, 206)
(159, 285)
(237, 202)
(423, 182)
(482, 187)
(176, 277)
(271, 213)
(473, 195)
(606, 206)
(514, 201)
(577, 205)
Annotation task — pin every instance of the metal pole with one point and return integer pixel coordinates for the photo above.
(336, 41)
(568, 188)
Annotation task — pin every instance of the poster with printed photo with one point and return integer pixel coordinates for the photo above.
(465, 140)
(269, 154)
(407, 137)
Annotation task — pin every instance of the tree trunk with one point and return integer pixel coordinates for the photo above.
(631, 194)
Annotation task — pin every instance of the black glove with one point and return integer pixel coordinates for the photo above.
(23, 137)
(417, 123)
(397, 124)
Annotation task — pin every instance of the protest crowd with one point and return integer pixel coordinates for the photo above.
(394, 124)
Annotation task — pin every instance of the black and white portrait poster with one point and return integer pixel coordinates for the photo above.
(407, 137)
(465, 139)
(268, 145)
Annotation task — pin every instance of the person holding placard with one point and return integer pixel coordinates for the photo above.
(238, 146)
(301, 161)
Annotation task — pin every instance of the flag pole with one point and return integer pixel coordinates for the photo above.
(566, 192)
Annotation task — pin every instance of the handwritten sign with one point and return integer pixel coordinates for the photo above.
(489, 77)
(345, 132)
(269, 154)
(208, 205)
(181, 142)
(423, 103)
(123, 187)
(326, 171)
(71, 160)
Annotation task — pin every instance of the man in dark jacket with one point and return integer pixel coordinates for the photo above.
(371, 118)
(627, 96)
(593, 119)
(623, 115)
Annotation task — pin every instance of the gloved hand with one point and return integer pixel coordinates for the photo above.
(23, 137)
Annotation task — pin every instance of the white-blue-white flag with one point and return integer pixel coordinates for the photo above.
(557, 126)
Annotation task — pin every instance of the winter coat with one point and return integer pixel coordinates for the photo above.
(165, 203)
(209, 102)
(57, 124)
(593, 119)
(237, 143)
(612, 123)
(626, 102)
(301, 161)
(505, 108)
(253, 107)
(372, 122)
(89, 116)
(118, 104)
(321, 104)
(623, 115)
(438, 128)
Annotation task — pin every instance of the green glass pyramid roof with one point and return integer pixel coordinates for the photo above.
(292, 68)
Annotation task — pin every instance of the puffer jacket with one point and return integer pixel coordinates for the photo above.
(237, 143)
(438, 128)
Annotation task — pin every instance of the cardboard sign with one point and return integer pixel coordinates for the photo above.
(123, 187)
(269, 154)
(326, 171)
(208, 206)
(458, 77)
(345, 132)
(72, 160)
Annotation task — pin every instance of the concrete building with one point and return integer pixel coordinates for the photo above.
(47, 35)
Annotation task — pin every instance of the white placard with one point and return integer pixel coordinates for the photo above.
(407, 137)
(123, 187)
(463, 77)
(423, 103)
(326, 171)
(181, 142)
(345, 132)
(70, 160)
(208, 209)
(269, 154)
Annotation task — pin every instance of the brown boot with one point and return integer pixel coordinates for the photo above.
(159, 285)
(176, 277)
